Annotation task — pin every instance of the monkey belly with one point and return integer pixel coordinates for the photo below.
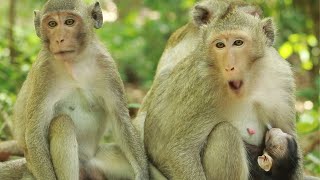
(87, 115)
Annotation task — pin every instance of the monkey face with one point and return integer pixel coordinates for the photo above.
(231, 51)
(276, 142)
(62, 33)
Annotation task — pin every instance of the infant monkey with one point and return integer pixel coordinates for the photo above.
(280, 156)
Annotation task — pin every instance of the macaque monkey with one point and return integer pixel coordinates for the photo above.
(181, 42)
(72, 94)
(204, 110)
(280, 156)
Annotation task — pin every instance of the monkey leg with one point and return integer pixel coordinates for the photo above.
(64, 148)
(111, 162)
(225, 155)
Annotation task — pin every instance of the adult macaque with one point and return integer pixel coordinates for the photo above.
(182, 42)
(72, 94)
(200, 113)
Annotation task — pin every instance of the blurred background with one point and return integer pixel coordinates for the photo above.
(136, 31)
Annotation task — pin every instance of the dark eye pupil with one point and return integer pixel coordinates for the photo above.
(69, 22)
(52, 24)
(219, 45)
(238, 42)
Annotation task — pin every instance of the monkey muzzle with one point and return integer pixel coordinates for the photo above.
(235, 85)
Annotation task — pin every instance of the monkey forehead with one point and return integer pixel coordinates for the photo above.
(241, 34)
(63, 5)
(235, 21)
(60, 13)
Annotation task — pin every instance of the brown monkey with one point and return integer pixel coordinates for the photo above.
(182, 42)
(72, 94)
(222, 92)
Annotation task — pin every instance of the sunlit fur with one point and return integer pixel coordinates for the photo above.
(194, 126)
(68, 101)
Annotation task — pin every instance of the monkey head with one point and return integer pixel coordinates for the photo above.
(65, 27)
(233, 41)
(280, 153)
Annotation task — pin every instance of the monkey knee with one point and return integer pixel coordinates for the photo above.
(225, 131)
(224, 127)
(61, 124)
(224, 154)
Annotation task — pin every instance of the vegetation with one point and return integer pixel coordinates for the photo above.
(136, 31)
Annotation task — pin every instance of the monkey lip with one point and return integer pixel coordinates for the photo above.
(64, 52)
(235, 85)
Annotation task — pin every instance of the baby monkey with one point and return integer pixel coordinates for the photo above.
(280, 156)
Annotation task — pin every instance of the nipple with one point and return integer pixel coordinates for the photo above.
(251, 131)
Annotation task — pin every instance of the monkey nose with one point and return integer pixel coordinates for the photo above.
(229, 69)
(60, 41)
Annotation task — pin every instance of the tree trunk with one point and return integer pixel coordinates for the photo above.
(11, 41)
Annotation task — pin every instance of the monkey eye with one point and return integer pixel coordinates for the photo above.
(220, 45)
(69, 22)
(52, 24)
(238, 43)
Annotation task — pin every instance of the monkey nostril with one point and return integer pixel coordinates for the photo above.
(61, 41)
(229, 69)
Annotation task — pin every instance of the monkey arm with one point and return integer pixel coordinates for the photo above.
(37, 124)
(37, 149)
(125, 134)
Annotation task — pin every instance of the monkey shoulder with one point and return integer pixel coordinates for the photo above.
(180, 34)
(180, 44)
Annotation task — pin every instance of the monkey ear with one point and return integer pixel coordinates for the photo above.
(269, 30)
(36, 21)
(96, 14)
(201, 15)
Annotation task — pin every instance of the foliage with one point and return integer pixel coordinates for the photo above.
(137, 38)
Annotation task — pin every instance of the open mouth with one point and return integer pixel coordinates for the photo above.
(235, 85)
(64, 52)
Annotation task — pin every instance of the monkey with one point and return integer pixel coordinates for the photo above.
(217, 99)
(72, 95)
(181, 42)
(280, 155)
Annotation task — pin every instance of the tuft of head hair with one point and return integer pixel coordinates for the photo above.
(206, 11)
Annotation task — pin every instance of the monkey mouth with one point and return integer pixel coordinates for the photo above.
(235, 85)
(64, 52)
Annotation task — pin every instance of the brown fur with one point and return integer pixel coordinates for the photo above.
(73, 92)
(190, 98)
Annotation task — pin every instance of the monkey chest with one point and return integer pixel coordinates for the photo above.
(250, 127)
(86, 112)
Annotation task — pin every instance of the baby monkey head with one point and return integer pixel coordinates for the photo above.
(233, 40)
(66, 27)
